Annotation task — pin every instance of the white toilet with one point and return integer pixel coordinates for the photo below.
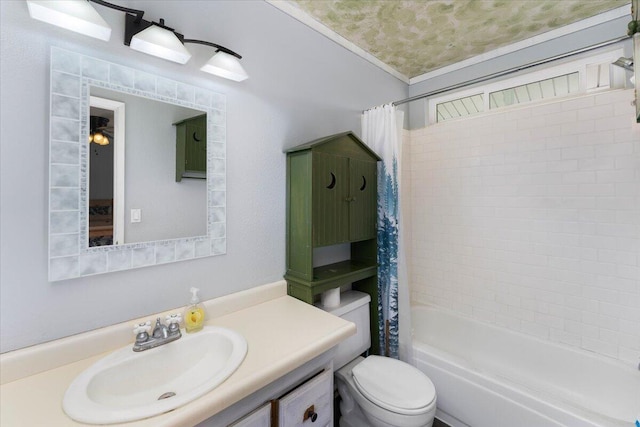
(377, 391)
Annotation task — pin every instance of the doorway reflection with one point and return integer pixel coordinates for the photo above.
(101, 190)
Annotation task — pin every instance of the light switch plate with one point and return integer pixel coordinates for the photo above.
(136, 215)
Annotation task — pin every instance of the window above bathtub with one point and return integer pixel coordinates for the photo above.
(580, 76)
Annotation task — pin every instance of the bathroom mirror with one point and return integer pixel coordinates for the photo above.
(150, 204)
(75, 79)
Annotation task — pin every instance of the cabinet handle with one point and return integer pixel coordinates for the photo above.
(310, 413)
(350, 199)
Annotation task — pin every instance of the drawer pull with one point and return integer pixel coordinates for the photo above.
(310, 413)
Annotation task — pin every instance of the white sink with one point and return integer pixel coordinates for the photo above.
(125, 385)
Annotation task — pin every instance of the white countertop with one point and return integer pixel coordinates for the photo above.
(282, 334)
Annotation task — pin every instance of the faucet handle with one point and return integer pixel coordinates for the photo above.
(142, 331)
(173, 318)
(144, 327)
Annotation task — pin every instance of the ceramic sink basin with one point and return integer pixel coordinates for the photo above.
(126, 385)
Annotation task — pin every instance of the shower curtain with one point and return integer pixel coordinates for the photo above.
(382, 131)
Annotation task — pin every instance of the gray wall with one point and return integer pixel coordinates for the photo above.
(302, 86)
(580, 39)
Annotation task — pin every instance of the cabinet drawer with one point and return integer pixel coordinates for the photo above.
(261, 417)
(318, 393)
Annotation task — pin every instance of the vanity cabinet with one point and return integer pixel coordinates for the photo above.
(309, 404)
(305, 402)
(191, 148)
(332, 200)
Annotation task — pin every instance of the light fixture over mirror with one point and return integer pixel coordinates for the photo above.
(160, 41)
(152, 38)
(224, 63)
(74, 15)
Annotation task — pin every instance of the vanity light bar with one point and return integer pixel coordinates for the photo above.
(152, 38)
(224, 63)
(74, 15)
(155, 39)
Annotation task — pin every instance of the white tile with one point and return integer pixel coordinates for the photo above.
(121, 76)
(63, 129)
(624, 175)
(141, 257)
(65, 152)
(534, 229)
(65, 107)
(64, 222)
(65, 176)
(582, 152)
(63, 268)
(614, 149)
(119, 260)
(165, 253)
(185, 250)
(63, 199)
(64, 245)
(94, 263)
(144, 82)
(598, 163)
(66, 61)
(612, 123)
(95, 69)
(595, 112)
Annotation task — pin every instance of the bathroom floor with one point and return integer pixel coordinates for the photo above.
(438, 423)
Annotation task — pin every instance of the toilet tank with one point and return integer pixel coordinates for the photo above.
(354, 307)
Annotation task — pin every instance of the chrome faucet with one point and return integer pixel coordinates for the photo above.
(162, 334)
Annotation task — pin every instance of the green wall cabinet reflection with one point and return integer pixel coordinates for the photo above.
(332, 200)
(191, 148)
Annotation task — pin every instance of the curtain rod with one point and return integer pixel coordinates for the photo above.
(510, 71)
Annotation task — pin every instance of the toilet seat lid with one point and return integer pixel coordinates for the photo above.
(393, 385)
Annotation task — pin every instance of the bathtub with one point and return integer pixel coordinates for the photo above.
(487, 376)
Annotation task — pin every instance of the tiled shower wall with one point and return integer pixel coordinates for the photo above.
(530, 219)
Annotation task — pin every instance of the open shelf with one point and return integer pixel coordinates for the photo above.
(330, 276)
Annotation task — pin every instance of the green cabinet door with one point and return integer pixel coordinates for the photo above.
(362, 200)
(196, 149)
(191, 148)
(344, 199)
(330, 214)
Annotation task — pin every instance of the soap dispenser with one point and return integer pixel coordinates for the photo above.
(194, 314)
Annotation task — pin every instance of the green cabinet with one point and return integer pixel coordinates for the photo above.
(332, 200)
(191, 148)
(344, 199)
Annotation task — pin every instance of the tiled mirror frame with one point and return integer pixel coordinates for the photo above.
(69, 254)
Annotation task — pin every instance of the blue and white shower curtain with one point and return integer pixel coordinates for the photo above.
(382, 131)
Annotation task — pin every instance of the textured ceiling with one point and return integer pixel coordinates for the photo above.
(415, 37)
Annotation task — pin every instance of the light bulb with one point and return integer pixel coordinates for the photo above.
(97, 138)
